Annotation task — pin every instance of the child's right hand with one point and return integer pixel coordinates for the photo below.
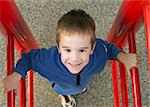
(12, 82)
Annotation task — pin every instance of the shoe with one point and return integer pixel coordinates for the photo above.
(67, 101)
(85, 89)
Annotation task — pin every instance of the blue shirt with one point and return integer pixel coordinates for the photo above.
(48, 64)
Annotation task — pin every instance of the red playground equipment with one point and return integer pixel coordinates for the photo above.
(132, 14)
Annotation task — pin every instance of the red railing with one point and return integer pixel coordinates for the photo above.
(126, 24)
(18, 35)
(132, 14)
(10, 64)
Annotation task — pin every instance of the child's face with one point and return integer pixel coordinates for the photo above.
(75, 51)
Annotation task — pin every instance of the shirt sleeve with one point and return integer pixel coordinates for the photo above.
(112, 50)
(27, 61)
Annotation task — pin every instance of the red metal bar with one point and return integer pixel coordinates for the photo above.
(22, 87)
(147, 27)
(30, 89)
(123, 83)
(115, 85)
(134, 72)
(12, 18)
(126, 20)
(10, 64)
(23, 92)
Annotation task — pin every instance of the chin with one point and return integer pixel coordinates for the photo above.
(75, 71)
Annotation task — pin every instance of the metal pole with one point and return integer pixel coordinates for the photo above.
(10, 64)
(134, 72)
(146, 12)
(115, 85)
(22, 87)
(30, 89)
(123, 83)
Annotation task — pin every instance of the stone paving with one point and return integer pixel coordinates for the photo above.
(41, 17)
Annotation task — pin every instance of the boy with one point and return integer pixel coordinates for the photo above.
(70, 65)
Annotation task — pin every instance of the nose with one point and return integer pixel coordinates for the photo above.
(74, 57)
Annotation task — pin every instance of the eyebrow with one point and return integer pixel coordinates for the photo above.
(80, 47)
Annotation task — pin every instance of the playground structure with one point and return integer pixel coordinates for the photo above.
(132, 14)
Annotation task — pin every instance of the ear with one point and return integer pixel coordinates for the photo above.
(58, 49)
(93, 48)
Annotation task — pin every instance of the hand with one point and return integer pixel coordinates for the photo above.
(130, 60)
(12, 82)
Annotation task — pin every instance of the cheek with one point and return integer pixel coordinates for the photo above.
(86, 58)
(64, 56)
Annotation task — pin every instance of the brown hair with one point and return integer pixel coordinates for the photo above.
(76, 21)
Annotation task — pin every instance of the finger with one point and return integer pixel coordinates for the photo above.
(138, 64)
(4, 93)
(15, 91)
(135, 65)
(18, 89)
(133, 54)
(18, 92)
(7, 90)
(4, 81)
(128, 73)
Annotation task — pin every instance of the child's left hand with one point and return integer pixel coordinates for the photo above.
(130, 60)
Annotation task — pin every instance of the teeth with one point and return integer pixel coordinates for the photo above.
(74, 65)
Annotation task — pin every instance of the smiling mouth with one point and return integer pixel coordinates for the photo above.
(74, 65)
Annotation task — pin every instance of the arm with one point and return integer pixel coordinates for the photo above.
(112, 50)
(26, 63)
(128, 59)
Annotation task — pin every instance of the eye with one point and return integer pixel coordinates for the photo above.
(82, 50)
(67, 50)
